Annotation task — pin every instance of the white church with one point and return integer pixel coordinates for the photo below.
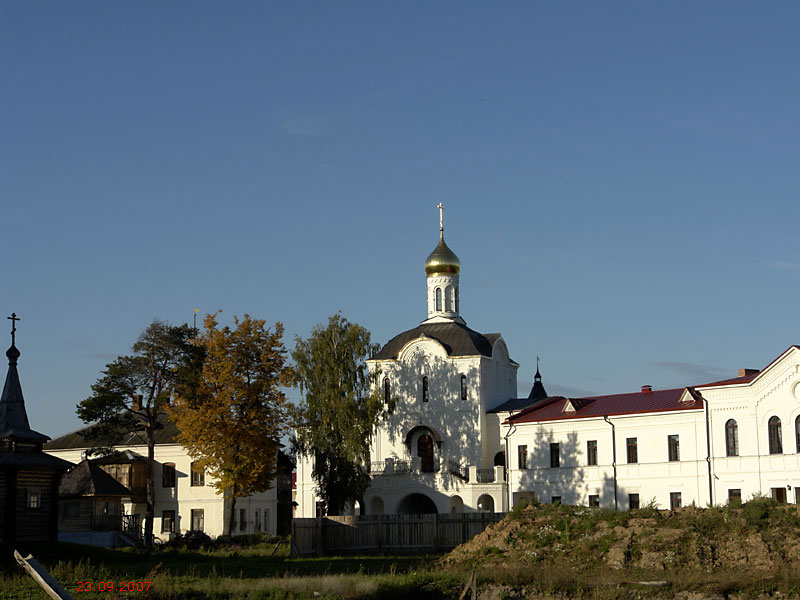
(461, 440)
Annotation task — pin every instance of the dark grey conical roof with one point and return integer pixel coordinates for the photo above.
(13, 418)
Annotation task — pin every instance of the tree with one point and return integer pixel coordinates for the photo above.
(134, 390)
(232, 421)
(340, 408)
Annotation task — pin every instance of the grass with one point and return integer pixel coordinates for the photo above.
(235, 571)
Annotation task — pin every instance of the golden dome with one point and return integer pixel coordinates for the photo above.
(442, 260)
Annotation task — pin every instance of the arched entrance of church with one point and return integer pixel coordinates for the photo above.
(416, 504)
(425, 453)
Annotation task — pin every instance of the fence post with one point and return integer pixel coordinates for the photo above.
(435, 532)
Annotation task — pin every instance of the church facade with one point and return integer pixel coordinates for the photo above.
(461, 440)
(441, 449)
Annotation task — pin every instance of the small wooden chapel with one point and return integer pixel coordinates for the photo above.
(29, 478)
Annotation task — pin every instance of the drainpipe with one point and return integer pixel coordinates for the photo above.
(613, 458)
(508, 467)
(708, 452)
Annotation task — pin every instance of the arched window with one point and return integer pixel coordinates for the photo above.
(448, 299)
(387, 390)
(797, 433)
(731, 438)
(425, 394)
(775, 441)
(439, 299)
(456, 299)
(425, 453)
(464, 387)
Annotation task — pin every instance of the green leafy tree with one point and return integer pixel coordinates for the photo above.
(134, 391)
(339, 410)
(233, 417)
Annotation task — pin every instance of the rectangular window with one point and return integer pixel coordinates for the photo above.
(257, 520)
(168, 521)
(463, 387)
(168, 475)
(734, 496)
(555, 455)
(34, 500)
(242, 519)
(70, 509)
(591, 452)
(198, 519)
(673, 448)
(198, 475)
(633, 451)
(266, 520)
(779, 495)
(674, 500)
(633, 501)
(522, 457)
(594, 501)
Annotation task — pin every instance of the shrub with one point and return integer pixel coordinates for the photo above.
(191, 540)
(756, 510)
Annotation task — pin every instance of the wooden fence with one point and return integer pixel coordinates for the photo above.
(387, 534)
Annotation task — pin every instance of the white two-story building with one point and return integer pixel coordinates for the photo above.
(701, 445)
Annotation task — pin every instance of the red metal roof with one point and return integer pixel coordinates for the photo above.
(616, 404)
(731, 381)
(746, 378)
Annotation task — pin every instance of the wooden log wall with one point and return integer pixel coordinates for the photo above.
(387, 534)
(35, 525)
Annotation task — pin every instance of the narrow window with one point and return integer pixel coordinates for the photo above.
(775, 441)
(387, 390)
(439, 299)
(633, 451)
(448, 298)
(168, 521)
(734, 496)
(779, 495)
(266, 520)
(797, 433)
(555, 455)
(633, 501)
(522, 457)
(168, 475)
(456, 299)
(425, 393)
(674, 500)
(242, 519)
(594, 501)
(591, 452)
(198, 519)
(464, 388)
(673, 448)
(731, 438)
(34, 500)
(257, 520)
(425, 453)
(198, 475)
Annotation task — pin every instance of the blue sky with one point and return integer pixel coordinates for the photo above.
(620, 180)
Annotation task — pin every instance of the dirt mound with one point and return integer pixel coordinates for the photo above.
(754, 538)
